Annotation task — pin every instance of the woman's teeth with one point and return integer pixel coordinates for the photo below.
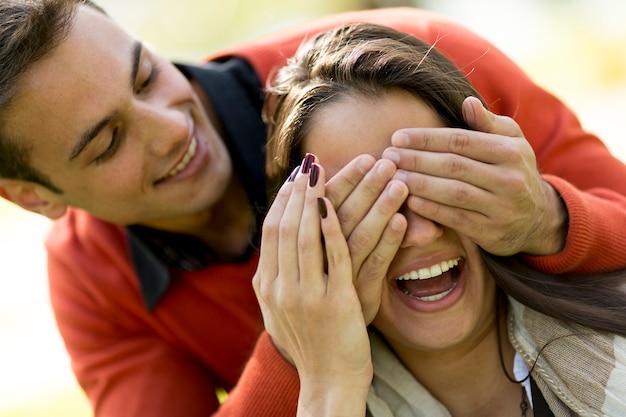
(431, 271)
(418, 284)
(191, 151)
(434, 297)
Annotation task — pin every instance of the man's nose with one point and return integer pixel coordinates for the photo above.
(166, 128)
(420, 231)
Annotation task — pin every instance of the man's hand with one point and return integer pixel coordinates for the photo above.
(484, 183)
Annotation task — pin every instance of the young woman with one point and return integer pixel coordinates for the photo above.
(449, 330)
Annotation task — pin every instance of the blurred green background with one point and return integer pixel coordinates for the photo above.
(574, 48)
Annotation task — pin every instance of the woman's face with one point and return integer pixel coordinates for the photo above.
(438, 295)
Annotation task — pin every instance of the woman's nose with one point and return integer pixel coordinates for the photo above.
(420, 231)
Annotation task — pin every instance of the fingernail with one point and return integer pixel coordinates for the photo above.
(400, 139)
(396, 190)
(385, 169)
(322, 206)
(306, 162)
(392, 155)
(365, 163)
(294, 173)
(315, 173)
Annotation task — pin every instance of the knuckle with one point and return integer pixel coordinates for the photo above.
(461, 218)
(425, 140)
(459, 141)
(306, 244)
(370, 189)
(256, 285)
(375, 264)
(359, 241)
(286, 231)
(508, 212)
(518, 182)
(517, 185)
(513, 152)
(415, 160)
(455, 166)
(461, 195)
(270, 228)
(263, 291)
(347, 218)
(285, 301)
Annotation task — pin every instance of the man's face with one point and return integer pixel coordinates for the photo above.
(118, 128)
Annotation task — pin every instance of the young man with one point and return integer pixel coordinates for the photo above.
(155, 174)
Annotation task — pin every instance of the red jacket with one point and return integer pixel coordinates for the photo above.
(169, 362)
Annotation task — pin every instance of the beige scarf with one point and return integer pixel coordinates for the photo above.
(580, 372)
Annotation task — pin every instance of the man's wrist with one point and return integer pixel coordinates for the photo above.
(552, 231)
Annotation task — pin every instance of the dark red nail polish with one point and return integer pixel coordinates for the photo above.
(306, 163)
(294, 173)
(322, 206)
(315, 173)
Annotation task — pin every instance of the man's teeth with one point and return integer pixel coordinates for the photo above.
(431, 271)
(186, 158)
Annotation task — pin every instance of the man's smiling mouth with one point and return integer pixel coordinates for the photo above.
(182, 164)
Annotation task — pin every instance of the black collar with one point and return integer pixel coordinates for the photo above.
(237, 96)
(540, 406)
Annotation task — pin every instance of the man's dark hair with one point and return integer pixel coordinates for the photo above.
(29, 31)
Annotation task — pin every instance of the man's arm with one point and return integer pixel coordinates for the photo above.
(124, 367)
(269, 386)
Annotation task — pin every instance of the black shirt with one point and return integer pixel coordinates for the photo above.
(237, 96)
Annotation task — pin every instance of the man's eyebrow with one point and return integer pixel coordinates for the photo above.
(91, 133)
(136, 54)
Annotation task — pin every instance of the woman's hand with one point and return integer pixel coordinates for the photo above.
(367, 200)
(312, 312)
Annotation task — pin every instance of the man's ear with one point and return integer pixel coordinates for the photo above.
(33, 197)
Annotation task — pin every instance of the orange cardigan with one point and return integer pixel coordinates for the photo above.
(169, 362)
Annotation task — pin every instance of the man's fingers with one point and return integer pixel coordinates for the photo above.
(482, 120)
(494, 139)
(478, 146)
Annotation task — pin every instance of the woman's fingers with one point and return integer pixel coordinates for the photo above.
(337, 253)
(373, 269)
(312, 312)
(310, 247)
(267, 270)
(354, 190)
